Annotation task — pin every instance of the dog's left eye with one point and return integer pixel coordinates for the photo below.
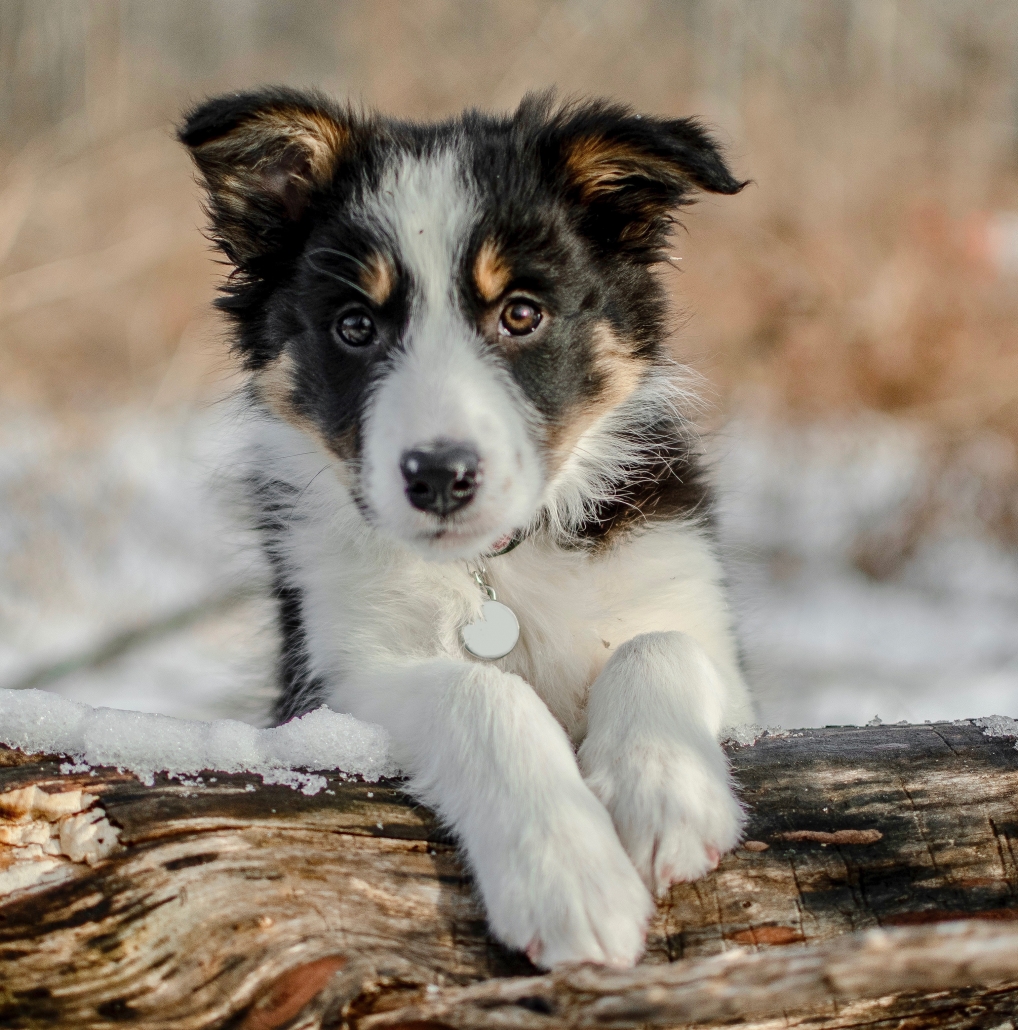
(519, 318)
(355, 329)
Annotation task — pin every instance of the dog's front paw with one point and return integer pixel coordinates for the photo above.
(672, 804)
(567, 891)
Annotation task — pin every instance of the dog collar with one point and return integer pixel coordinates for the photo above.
(505, 544)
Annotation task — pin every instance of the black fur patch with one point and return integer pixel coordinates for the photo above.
(673, 486)
(299, 691)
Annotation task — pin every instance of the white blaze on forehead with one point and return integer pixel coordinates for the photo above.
(440, 386)
(425, 207)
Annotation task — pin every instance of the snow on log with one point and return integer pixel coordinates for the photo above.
(877, 887)
(145, 744)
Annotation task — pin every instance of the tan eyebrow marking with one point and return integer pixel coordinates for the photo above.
(378, 278)
(491, 274)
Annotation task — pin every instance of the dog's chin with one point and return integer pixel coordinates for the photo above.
(438, 541)
(448, 543)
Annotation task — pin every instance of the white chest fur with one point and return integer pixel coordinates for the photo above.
(575, 608)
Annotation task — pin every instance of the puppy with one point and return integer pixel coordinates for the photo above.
(476, 486)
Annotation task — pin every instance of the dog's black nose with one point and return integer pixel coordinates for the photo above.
(440, 478)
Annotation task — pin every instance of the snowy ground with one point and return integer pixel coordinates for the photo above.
(935, 637)
(126, 580)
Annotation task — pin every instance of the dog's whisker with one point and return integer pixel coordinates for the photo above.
(341, 278)
(340, 253)
(307, 487)
(261, 461)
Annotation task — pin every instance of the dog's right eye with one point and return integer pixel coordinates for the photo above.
(355, 329)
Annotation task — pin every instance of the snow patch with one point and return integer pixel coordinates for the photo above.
(749, 733)
(998, 726)
(35, 721)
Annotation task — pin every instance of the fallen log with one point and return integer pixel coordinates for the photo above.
(877, 887)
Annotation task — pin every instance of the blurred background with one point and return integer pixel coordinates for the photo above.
(853, 313)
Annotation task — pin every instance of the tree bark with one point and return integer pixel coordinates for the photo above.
(877, 887)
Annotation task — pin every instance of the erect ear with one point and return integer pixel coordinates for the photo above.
(629, 171)
(262, 156)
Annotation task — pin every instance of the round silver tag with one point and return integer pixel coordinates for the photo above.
(494, 634)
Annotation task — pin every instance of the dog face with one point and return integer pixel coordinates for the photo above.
(450, 309)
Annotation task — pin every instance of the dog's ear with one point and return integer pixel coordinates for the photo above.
(628, 171)
(262, 156)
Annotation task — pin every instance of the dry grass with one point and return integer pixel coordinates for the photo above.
(105, 288)
(864, 284)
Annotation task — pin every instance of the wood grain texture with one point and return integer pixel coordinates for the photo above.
(878, 887)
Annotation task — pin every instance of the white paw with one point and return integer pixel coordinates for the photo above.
(672, 804)
(565, 891)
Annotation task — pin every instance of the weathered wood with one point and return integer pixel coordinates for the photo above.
(878, 887)
(821, 980)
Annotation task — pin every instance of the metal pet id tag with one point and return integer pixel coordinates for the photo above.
(494, 634)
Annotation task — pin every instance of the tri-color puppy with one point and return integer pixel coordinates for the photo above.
(455, 340)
